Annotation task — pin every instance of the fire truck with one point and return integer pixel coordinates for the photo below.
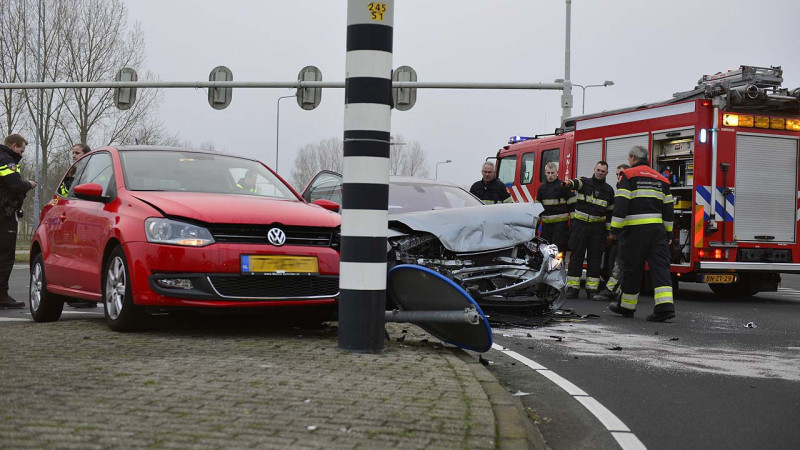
(730, 150)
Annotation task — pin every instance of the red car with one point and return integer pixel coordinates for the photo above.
(145, 229)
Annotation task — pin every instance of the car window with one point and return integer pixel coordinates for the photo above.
(506, 168)
(98, 170)
(68, 183)
(527, 168)
(548, 156)
(409, 197)
(162, 170)
(325, 186)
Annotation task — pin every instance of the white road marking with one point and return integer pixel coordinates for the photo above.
(618, 429)
(628, 441)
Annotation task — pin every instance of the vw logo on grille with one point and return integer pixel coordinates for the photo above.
(276, 237)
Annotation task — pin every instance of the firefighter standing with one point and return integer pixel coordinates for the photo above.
(558, 202)
(489, 189)
(643, 218)
(12, 193)
(589, 228)
(613, 284)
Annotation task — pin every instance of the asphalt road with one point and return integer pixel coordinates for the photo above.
(703, 380)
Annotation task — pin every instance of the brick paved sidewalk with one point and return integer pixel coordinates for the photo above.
(76, 384)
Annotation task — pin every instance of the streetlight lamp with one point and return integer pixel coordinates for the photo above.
(583, 95)
(437, 167)
(278, 129)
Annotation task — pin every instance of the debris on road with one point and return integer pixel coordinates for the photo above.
(484, 361)
(750, 325)
(520, 393)
(618, 348)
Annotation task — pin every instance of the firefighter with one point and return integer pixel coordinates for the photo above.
(643, 219)
(589, 227)
(12, 193)
(558, 202)
(613, 285)
(489, 189)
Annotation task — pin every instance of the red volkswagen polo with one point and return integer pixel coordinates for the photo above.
(152, 229)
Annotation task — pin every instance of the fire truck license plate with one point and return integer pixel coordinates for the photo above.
(718, 278)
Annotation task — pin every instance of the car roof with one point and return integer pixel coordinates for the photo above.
(155, 148)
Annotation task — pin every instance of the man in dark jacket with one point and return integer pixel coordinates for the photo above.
(590, 222)
(489, 189)
(558, 202)
(614, 259)
(643, 215)
(12, 193)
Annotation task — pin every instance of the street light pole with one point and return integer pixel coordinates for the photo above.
(437, 167)
(278, 129)
(583, 94)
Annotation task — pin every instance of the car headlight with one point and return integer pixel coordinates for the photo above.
(166, 231)
(554, 257)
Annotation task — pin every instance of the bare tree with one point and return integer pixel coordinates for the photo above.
(408, 159)
(311, 158)
(99, 43)
(12, 60)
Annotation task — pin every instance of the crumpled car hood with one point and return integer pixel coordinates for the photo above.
(476, 228)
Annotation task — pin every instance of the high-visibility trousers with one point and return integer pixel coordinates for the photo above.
(586, 240)
(556, 233)
(642, 243)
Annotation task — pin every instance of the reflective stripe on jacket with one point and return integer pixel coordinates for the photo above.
(643, 198)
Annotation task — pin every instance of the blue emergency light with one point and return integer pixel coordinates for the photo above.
(515, 139)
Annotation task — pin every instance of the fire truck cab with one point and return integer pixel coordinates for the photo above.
(730, 150)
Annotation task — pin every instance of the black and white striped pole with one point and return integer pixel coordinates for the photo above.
(365, 189)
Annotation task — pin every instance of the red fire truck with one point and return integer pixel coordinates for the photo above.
(730, 150)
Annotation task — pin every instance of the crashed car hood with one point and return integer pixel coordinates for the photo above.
(476, 228)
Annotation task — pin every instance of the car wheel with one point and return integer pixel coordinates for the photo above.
(121, 314)
(45, 307)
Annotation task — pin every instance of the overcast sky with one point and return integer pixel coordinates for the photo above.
(650, 49)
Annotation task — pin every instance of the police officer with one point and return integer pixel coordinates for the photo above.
(590, 222)
(558, 202)
(614, 256)
(489, 189)
(12, 193)
(643, 219)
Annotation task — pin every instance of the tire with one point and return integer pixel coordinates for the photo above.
(44, 306)
(121, 314)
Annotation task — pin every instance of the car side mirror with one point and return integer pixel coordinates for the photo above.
(327, 204)
(91, 191)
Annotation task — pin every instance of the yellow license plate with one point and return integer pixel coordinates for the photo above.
(715, 278)
(279, 264)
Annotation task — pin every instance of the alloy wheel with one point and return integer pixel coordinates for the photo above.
(115, 287)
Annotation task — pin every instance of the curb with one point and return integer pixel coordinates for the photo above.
(514, 430)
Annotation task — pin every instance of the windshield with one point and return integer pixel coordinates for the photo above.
(410, 197)
(164, 170)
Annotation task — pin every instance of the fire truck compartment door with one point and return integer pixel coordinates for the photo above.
(617, 153)
(588, 153)
(765, 204)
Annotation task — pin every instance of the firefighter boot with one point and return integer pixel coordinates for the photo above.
(617, 309)
(8, 302)
(591, 293)
(572, 293)
(604, 296)
(662, 312)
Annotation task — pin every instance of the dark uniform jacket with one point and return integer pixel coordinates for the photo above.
(12, 187)
(643, 197)
(557, 201)
(493, 192)
(595, 201)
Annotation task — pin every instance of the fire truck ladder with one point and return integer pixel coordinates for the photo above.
(747, 88)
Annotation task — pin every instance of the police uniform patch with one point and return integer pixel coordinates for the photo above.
(12, 167)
